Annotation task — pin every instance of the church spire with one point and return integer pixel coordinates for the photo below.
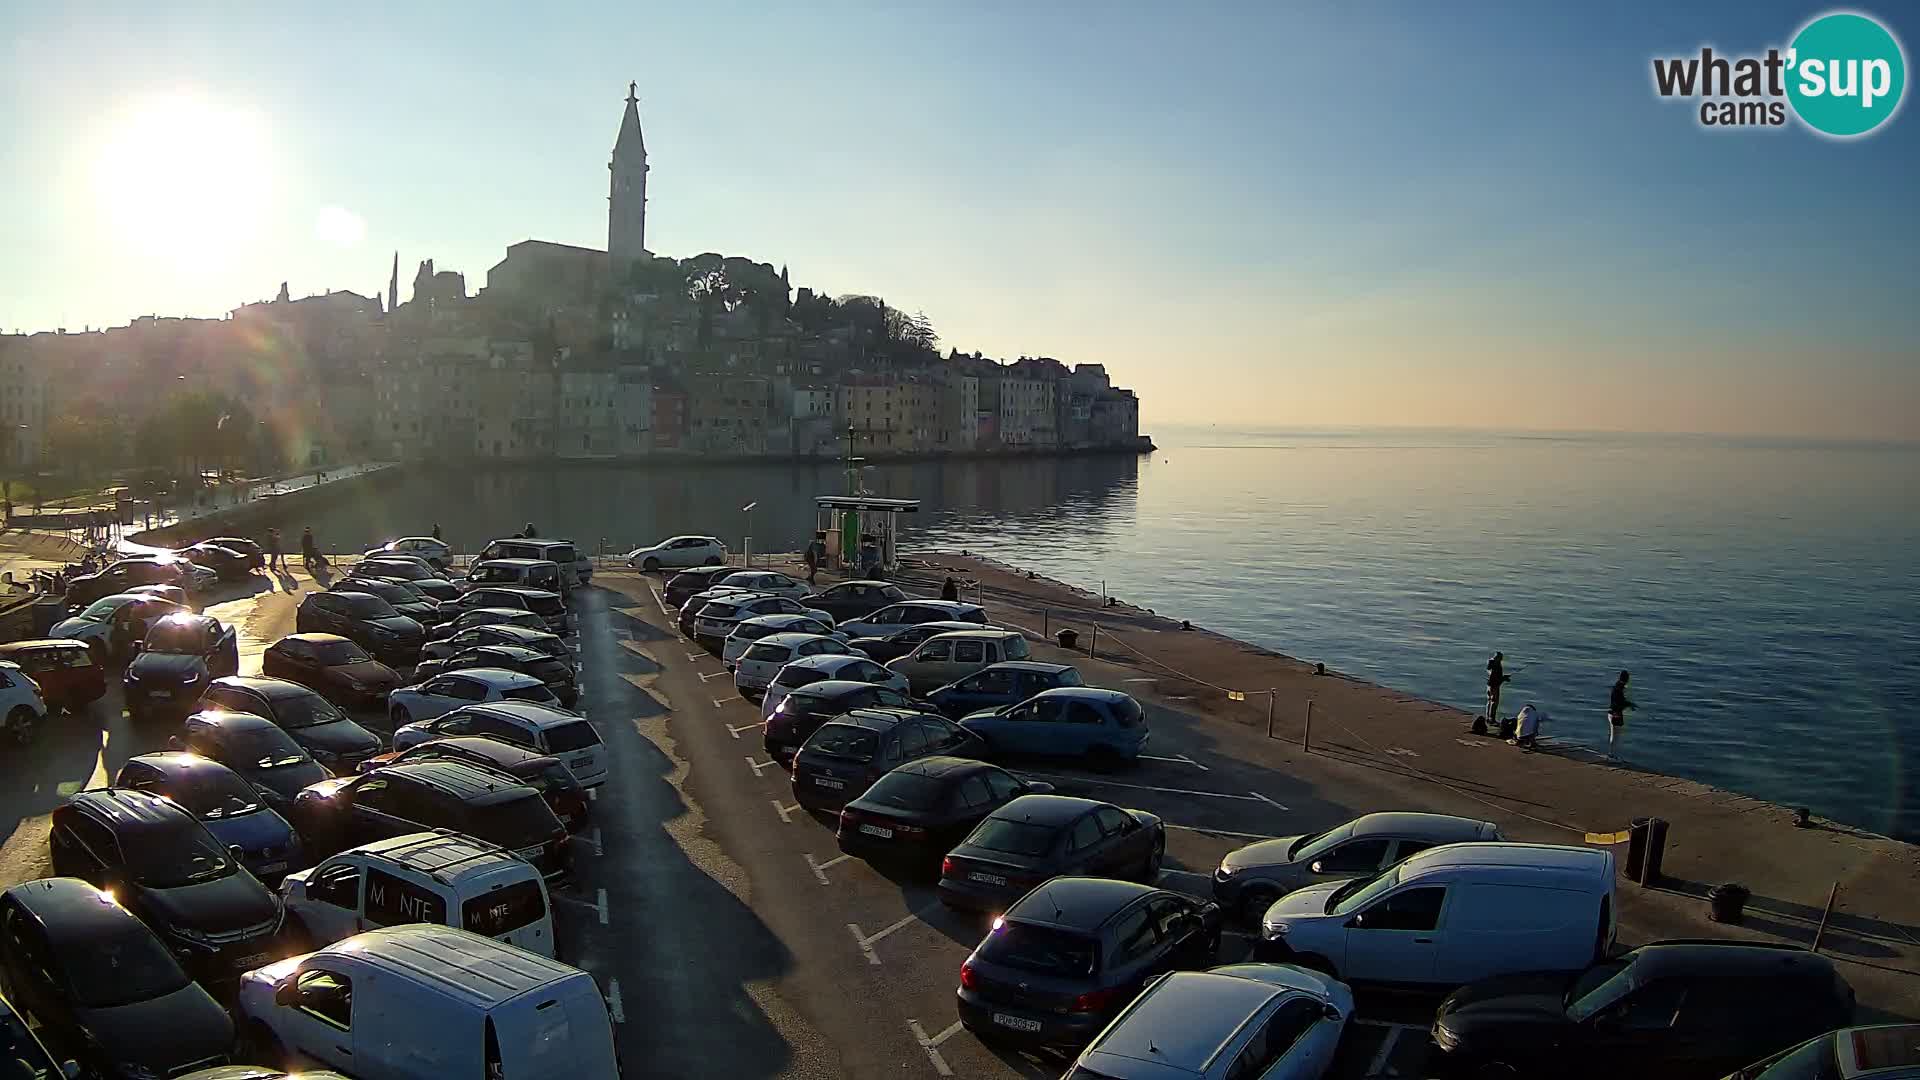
(627, 194)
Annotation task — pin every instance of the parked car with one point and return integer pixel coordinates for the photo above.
(165, 867)
(564, 552)
(1516, 908)
(679, 551)
(226, 563)
(544, 728)
(558, 675)
(1072, 953)
(29, 1056)
(111, 624)
(332, 666)
(1036, 837)
(544, 773)
(118, 577)
(176, 661)
(812, 669)
(905, 639)
(415, 594)
(232, 810)
(1000, 686)
(550, 606)
(956, 654)
(255, 749)
(769, 582)
(542, 574)
(414, 605)
(417, 564)
(842, 759)
(436, 553)
(256, 555)
(365, 619)
(486, 616)
(65, 670)
(1251, 878)
(20, 703)
(348, 811)
(748, 631)
(443, 693)
(764, 658)
(418, 572)
(1266, 1021)
(716, 620)
(173, 594)
(851, 600)
(1678, 1009)
(421, 1002)
(439, 878)
(682, 586)
(477, 634)
(805, 708)
(690, 611)
(1105, 728)
(921, 810)
(315, 723)
(1879, 1052)
(910, 612)
(101, 988)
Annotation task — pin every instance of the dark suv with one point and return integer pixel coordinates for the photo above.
(364, 619)
(164, 865)
(175, 661)
(255, 748)
(805, 708)
(398, 799)
(416, 606)
(315, 723)
(844, 756)
(1676, 1008)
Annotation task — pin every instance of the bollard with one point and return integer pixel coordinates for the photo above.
(1044, 628)
(1270, 696)
(1306, 737)
(1824, 916)
(1094, 641)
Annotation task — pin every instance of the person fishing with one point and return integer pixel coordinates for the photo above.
(1497, 677)
(1617, 705)
(1527, 732)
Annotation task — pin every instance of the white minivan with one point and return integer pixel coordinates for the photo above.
(423, 1002)
(1451, 915)
(440, 877)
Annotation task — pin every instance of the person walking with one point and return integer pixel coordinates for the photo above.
(309, 550)
(815, 554)
(950, 591)
(436, 530)
(1617, 705)
(276, 558)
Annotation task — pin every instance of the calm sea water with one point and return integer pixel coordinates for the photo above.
(1766, 596)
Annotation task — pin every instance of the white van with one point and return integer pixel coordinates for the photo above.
(426, 1002)
(564, 552)
(441, 877)
(1451, 915)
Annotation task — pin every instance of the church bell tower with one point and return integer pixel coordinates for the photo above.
(627, 197)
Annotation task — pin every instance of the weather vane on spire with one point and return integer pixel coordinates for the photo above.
(633, 89)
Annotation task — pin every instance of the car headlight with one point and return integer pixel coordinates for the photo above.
(1226, 871)
(1275, 929)
(1444, 1038)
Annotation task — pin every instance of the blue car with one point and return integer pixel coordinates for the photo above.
(1000, 685)
(1106, 728)
(231, 809)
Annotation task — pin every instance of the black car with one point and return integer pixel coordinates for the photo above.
(1036, 837)
(844, 756)
(469, 637)
(919, 811)
(100, 988)
(904, 640)
(20, 1046)
(1074, 951)
(228, 564)
(315, 723)
(331, 666)
(1671, 1009)
(254, 747)
(175, 661)
(805, 708)
(420, 574)
(684, 584)
(367, 620)
(542, 772)
(163, 864)
(121, 576)
(548, 605)
(398, 799)
(486, 616)
(557, 674)
(232, 810)
(415, 606)
(852, 599)
(256, 556)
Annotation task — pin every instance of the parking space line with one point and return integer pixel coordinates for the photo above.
(784, 811)
(932, 1046)
(1221, 832)
(820, 868)
(714, 675)
(867, 941)
(1385, 1052)
(615, 1008)
(600, 904)
(735, 730)
(756, 766)
(1256, 797)
(1268, 801)
(721, 702)
(1177, 759)
(660, 598)
(696, 657)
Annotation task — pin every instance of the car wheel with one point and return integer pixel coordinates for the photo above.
(1254, 905)
(259, 1043)
(400, 717)
(1151, 871)
(20, 724)
(1104, 759)
(712, 560)
(650, 565)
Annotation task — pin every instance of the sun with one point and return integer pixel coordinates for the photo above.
(184, 178)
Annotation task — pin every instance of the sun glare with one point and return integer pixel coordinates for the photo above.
(184, 178)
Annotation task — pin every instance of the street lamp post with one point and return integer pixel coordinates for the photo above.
(746, 539)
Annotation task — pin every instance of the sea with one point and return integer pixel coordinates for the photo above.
(1764, 594)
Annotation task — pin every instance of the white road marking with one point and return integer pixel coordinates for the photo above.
(1268, 801)
(932, 1046)
(1221, 832)
(615, 1008)
(600, 902)
(735, 730)
(696, 657)
(593, 794)
(593, 837)
(1177, 759)
(714, 675)
(1401, 751)
(867, 941)
(1142, 679)
(1386, 1051)
(661, 599)
(1256, 797)
(756, 766)
(820, 868)
(721, 702)
(783, 811)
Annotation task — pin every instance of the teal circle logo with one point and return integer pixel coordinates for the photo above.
(1846, 74)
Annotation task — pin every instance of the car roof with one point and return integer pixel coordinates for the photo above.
(1045, 809)
(180, 763)
(993, 632)
(779, 618)
(271, 689)
(127, 808)
(830, 688)
(876, 717)
(1532, 858)
(502, 753)
(500, 678)
(861, 581)
(1037, 666)
(944, 765)
(524, 633)
(511, 652)
(1085, 693)
(442, 854)
(531, 712)
(1441, 827)
(516, 562)
(792, 641)
(75, 907)
(1744, 959)
(1077, 903)
(314, 639)
(419, 540)
(524, 590)
(944, 605)
(181, 618)
(1187, 1019)
(828, 661)
(513, 611)
(457, 778)
(479, 971)
(229, 720)
(40, 643)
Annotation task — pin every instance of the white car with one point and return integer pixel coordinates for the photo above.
(468, 686)
(717, 620)
(813, 669)
(680, 551)
(544, 729)
(437, 553)
(751, 630)
(764, 658)
(771, 582)
(20, 703)
(1271, 1021)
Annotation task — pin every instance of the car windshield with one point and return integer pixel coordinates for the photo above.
(213, 794)
(717, 610)
(1360, 892)
(1044, 950)
(573, 735)
(406, 570)
(1308, 846)
(797, 675)
(537, 692)
(769, 653)
(1013, 837)
(365, 606)
(177, 854)
(191, 636)
(392, 594)
(100, 609)
(514, 823)
(546, 605)
(845, 741)
(263, 747)
(126, 967)
(296, 711)
(907, 791)
(340, 653)
(486, 574)
(1598, 987)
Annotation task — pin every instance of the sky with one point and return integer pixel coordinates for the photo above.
(1473, 215)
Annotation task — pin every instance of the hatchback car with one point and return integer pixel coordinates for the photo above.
(919, 811)
(904, 640)
(913, 612)
(751, 630)
(1879, 1052)
(256, 555)
(842, 759)
(468, 620)
(1073, 952)
(84, 590)
(683, 585)
(1105, 728)
(1250, 879)
(549, 605)
(812, 669)
(20, 704)
(544, 728)
(956, 654)
(542, 772)
(413, 605)
(315, 723)
(417, 572)
(254, 748)
(679, 551)
(436, 552)
(557, 674)
(165, 866)
(334, 667)
(804, 709)
(1036, 837)
(1264, 1021)
(507, 633)
(111, 624)
(467, 686)
(228, 564)
(855, 599)
(365, 619)
(1000, 686)
(1684, 1008)
(769, 582)
(690, 611)
(66, 671)
(764, 658)
(174, 664)
(716, 620)
(101, 988)
(232, 810)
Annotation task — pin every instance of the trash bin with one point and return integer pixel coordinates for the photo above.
(1727, 903)
(1656, 851)
(1067, 637)
(1646, 849)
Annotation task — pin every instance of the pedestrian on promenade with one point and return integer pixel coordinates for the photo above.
(1528, 730)
(309, 550)
(950, 591)
(815, 554)
(436, 530)
(276, 559)
(530, 534)
(1617, 705)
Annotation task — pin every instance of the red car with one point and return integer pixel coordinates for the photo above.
(68, 676)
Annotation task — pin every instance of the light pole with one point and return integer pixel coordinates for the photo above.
(746, 539)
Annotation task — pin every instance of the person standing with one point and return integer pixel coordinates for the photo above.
(276, 558)
(436, 530)
(815, 554)
(1617, 705)
(951, 590)
(1496, 677)
(309, 550)
(530, 534)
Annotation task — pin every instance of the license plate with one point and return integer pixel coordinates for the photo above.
(160, 695)
(253, 961)
(581, 762)
(272, 867)
(877, 830)
(986, 879)
(829, 782)
(531, 854)
(1017, 1023)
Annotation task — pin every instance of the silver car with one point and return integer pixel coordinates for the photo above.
(1251, 879)
(1265, 1021)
